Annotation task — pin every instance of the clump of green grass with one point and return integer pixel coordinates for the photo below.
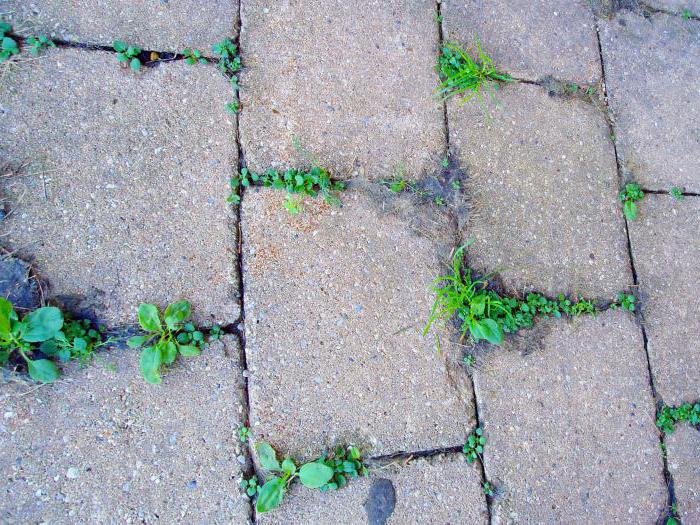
(484, 314)
(630, 196)
(467, 73)
(668, 416)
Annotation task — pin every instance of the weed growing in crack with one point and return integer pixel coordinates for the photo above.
(469, 361)
(46, 334)
(687, 14)
(244, 434)
(250, 486)
(194, 56)
(487, 488)
(229, 63)
(168, 335)
(8, 45)
(484, 314)
(313, 183)
(329, 472)
(668, 416)
(474, 447)
(39, 43)
(630, 196)
(127, 54)
(677, 193)
(466, 76)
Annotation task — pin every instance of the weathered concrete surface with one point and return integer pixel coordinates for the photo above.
(571, 427)
(529, 39)
(676, 6)
(543, 188)
(428, 491)
(350, 83)
(666, 252)
(125, 198)
(103, 446)
(683, 451)
(335, 301)
(153, 24)
(652, 70)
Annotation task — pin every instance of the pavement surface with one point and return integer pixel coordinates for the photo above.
(114, 189)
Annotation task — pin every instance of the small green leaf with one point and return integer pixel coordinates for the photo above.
(122, 57)
(150, 364)
(631, 210)
(176, 313)
(491, 331)
(189, 350)
(168, 352)
(289, 467)
(5, 311)
(42, 324)
(119, 46)
(149, 319)
(135, 64)
(315, 475)
(136, 341)
(43, 370)
(268, 457)
(270, 495)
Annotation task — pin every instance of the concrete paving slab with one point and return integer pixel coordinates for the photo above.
(530, 39)
(103, 446)
(350, 83)
(676, 6)
(159, 25)
(652, 70)
(124, 200)
(543, 187)
(570, 427)
(335, 300)
(666, 253)
(437, 490)
(683, 449)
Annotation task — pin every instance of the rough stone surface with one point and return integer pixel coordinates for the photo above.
(336, 299)
(676, 6)
(350, 83)
(432, 491)
(152, 24)
(652, 70)
(103, 446)
(683, 451)
(666, 253)
(529, 39)
(571, 426)
(125, 197)
(544, 193)
(16, 283)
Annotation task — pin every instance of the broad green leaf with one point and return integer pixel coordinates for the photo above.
(477, 305)
(119, 46)
(315, 475)
(168, 352)
(122, 57)
(136, 341)
(150, 364)
(631, 210)
(270, 495)
(135, 64)
(491, 331)
(176, 313)
(80, 344)
(149, 318)
(9, 44)
(189, 350)
(43, 370)
(5, 310)
(268, 457)
(42, 324)
(49, 347)
(289, 467)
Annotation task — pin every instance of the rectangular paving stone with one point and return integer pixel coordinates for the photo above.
(529, 39)
(438, 490)
(652, 70)
(335, 302)
(124, 200)
(570, 426)
(666, 252)
(683, 451)
(104, 446)
(154, 24)
(543, 192)
(348, 84)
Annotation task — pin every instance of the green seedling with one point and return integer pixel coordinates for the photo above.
(216, 332)
(329, 472)
(167, 337)
(456, 185)
(630, 196)
(469, 361)
(229, 63)
(233, 107)
(39, 43)
(445, 162)
(487, 488)
(625, 301)
(128, 54)
(250, 486)
(591, 91)
(677, 193)
(687, 14)
(466, 76)
(474, 447)
(78, 340)
(244, 434)
(8, 45)
(194, 56)
(668, 416)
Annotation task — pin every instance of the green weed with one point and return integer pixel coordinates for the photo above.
(469, 361)
(487, 488)
(329, 472)
(244, 434)
(168, 335)
(127, 54)
(250, 486)
(78, 340)
(677, 193)
(194, 56)
(39, 43)
(687, 14)
(229, 63)
(630, 196)
(668, 417)
(474, 447)
(625, 301)
(465, 76)
(8, 46)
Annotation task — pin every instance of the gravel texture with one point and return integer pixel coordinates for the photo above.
(683, 448)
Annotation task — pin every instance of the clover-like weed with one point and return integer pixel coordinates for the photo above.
(39, 43)
(250, 486)
(128, 54)
(626, 301)
(229, 63)
(677, 193)
(8, 45)
(77, 340)
(465, 76)
(474, 447)
(487, 488)
(244, 434)
(669, 416)
(168, 335)
(194, 56)
(630, 196)
(329, 472)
